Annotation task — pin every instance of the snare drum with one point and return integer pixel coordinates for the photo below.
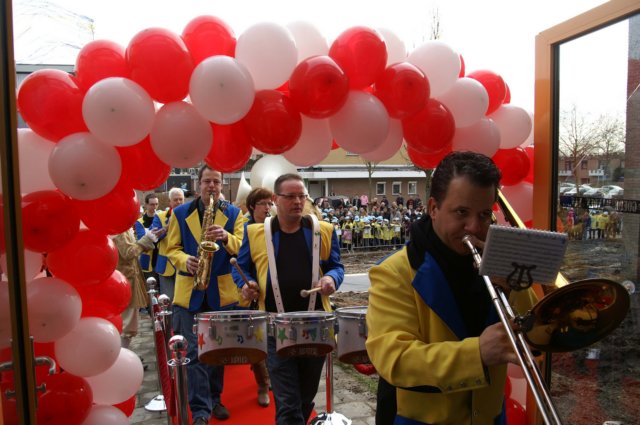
(232, 337)
(304, 333)
(352, 334)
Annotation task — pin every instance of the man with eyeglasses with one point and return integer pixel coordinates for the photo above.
(185, 229)
(141, 227)
(287, 241)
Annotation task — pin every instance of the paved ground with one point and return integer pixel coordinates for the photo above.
(349, 397)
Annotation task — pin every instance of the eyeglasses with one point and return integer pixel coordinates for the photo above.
(264, 204)
(293, 196)
(208, 182)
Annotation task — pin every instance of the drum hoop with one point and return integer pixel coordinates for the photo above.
(355, 312)
(232, 316)
(303, 317)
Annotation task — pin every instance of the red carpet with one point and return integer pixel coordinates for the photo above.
(240, 396)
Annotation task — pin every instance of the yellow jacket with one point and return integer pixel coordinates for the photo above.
(412, 345)
(254, 261)
(163, 265)
(183, 240)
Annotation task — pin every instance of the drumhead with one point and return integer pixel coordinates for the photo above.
(231, 316)
(354, 312)
(303, 317)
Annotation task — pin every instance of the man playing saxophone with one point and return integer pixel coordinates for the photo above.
(224, 225)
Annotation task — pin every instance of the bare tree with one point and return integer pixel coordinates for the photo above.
(436, 31)
(610, 143)
(579, 138)
(371, 168)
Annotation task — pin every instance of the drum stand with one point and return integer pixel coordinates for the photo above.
(328, 418)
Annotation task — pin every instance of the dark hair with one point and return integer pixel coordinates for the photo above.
(257, 194)
(206, 167)
(478, 168)
(285, 177)
(149, 196)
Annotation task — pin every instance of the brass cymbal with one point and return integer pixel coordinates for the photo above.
(577, 315)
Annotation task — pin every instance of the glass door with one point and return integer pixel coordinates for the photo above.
(588, 186)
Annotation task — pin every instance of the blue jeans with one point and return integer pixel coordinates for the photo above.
(294, 381)
(204, 381)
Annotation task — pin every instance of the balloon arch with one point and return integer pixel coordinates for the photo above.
(165, 100)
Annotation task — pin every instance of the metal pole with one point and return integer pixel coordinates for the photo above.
(329, 382)
(179, 362)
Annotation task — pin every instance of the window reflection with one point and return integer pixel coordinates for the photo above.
(598, 207)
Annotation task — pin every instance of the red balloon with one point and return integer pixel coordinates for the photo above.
(334, 145)
(116, 320)
(49, 220)
(318, 87)
(426, 160)
(495, 86)
(231, 148)
(114, 292)
(207, 36)
(403, 89)
(284, 89)
(141, 167)
(514, 165)
(431, 130)
(50, 102)
(272, 123)
(87, 259)
(507, 95)
(124, 210)
(461, 73)
(128, 406)
(516, 414)
(529, 151)
(159, 61)
(67, 400)
(100, 59)
(362, 54)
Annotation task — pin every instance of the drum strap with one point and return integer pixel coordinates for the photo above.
(273, 271)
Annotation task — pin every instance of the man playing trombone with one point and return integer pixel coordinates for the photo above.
(433, 332)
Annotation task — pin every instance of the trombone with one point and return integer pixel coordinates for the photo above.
(574, 316)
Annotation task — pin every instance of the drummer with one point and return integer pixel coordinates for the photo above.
(294, 380)
(433, 332)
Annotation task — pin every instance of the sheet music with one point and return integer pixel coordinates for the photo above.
(511, 251)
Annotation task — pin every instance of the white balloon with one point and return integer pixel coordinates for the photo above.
(34, 151)
(119, 382)
(396, 50)
(309, 40)
(439, 62)
(221, 89)
(54, 308)
(390, 146)
(118, 111)
(270, 164)
(33, 262)
(483, 137)
(244, 188)
(181, 137)
(529, 141)
(467, 100)
(91, 347)
(269, 181)
(362, 124)
(84, 167)
(514, 124)
(103, 414)
(269, 52)
(314, 144)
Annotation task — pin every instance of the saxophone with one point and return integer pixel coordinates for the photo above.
(206, 249)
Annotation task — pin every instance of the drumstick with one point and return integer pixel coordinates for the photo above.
(234, 263)
(306, 292)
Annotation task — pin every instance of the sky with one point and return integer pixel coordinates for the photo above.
(497, 35)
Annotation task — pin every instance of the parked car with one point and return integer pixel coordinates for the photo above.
(565, 186)
(613, 191)
(596, 192)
